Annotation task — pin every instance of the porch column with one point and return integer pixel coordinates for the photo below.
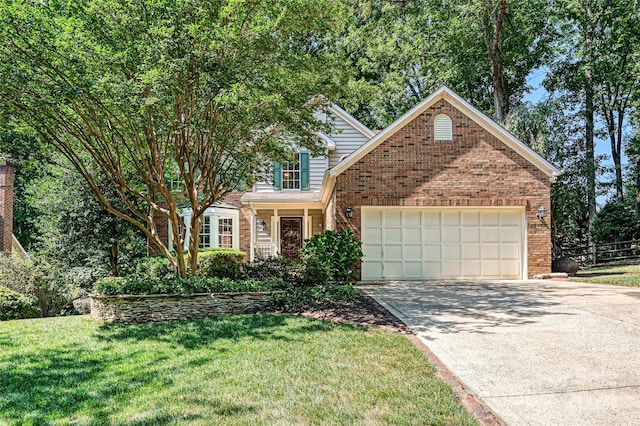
(275, 229)
(252, 227)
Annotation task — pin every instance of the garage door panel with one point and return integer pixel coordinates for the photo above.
(372, 234)
(471, 252)
(509, 234)
(450, 218)
(392, 218)
(489, 218)
(431, 243)
(451, 269)
(470, 235)
(372, 252)
(412, 235)
(431, 235)
(413, 269)
(431, 218)
(412, 252)
(393, 235)
(392, 252)
(432, 270)
(510, 251)
(451, 252)
(471, 268)
(412, 219)
(490, 251)
(432, 252)
(470, 218)
(450, 235)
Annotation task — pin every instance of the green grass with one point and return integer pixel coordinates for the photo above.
(626, 275)
(247, 370)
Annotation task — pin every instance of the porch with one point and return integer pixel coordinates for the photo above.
(278, 231)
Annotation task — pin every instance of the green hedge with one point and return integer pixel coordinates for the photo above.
(175, 285)
(14, 305)
(221, 263)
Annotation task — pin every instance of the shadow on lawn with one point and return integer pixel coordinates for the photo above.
(199, 333)
(93, 382)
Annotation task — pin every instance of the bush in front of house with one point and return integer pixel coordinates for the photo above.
(177, 285)
(220, 263)
(154, 266)
(52, 287)
(14, 305)
(335, 254)
(274, 267)
(297, 297)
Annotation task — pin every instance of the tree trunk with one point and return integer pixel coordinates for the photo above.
(492, 22)
(113, 259)
(589, 112)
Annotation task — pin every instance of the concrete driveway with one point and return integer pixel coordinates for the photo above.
(536, 352)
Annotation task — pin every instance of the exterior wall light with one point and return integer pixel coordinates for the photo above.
(349, 213)
(262, 226)
(542, 212)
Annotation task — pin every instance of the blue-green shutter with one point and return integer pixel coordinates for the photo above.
(277, 176)
(304, 170)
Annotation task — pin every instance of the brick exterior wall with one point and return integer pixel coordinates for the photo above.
(7, 175)
(474, 169)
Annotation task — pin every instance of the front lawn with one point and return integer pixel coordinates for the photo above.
(253, 369)
(628, 275)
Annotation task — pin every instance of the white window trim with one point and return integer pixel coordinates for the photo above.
(296, 159)
(215, 213)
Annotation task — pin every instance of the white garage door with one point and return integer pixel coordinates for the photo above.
(420, 243)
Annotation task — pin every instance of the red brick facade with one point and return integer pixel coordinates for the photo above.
(7, 174)
(474, 169)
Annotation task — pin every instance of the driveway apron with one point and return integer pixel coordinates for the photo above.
(536, 352)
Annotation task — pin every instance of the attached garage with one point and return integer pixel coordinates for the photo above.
(404, 243)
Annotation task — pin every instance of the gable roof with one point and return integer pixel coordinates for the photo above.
(352, 121)
(470, 111)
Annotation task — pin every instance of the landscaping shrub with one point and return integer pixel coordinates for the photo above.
(176, 285)
(297, 297)
(339, 252)
(155, 266)
(53, 288)
(274, 268)
(221, 263)
(14, 305)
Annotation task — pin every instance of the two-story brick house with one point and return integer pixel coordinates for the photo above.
(443, 192)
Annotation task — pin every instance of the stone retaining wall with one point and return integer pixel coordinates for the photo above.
(166, 307)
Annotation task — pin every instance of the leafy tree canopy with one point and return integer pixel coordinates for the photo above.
(131, 91)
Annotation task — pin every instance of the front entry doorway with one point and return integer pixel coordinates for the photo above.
(290, 237)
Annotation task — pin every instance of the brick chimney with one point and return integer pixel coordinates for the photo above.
(7, 174)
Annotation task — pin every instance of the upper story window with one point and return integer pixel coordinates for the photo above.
(291, 173)
(442, 128)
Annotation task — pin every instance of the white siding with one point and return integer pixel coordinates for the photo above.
(347, 140)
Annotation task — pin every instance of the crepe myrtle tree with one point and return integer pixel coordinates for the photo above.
(134, 91)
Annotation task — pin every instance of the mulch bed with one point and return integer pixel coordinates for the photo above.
(365, 312)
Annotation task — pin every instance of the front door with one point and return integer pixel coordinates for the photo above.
(290, 237)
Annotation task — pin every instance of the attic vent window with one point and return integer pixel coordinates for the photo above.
(443, 128)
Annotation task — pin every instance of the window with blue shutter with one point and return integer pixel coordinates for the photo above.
(277, 176)
(304, 170)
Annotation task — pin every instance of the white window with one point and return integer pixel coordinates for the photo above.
(291, 173)
(443, 128)
(225, 232)
(205, 232)
(220, 228)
